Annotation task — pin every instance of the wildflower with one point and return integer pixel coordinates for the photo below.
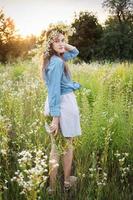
(117, 154)
(126, 154)
(31, 175)
(3, 152)
(52, 161)
(122, 160)
(83, 175)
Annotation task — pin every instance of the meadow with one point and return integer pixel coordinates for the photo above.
(103, 154)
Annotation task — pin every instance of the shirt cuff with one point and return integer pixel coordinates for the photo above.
(75, 50)
(55, 112)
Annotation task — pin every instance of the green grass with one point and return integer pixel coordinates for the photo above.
(103, 155)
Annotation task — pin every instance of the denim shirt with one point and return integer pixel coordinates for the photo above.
(57, 82)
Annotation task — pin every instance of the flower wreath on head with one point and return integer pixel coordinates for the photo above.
(50, 40)
(53, 35)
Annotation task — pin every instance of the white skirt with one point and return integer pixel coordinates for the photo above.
(69, 120)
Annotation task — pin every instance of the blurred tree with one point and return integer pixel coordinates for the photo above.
(12, 45)
(116, 41)
(122, 9)
(7, 28)
(117, 38)
(87, 33)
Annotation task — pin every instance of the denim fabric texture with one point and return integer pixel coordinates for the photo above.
(57, 82)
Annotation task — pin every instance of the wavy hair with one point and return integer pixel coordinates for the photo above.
(49, 52)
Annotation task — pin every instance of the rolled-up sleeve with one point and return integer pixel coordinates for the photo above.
(71, 54)
(54, 86)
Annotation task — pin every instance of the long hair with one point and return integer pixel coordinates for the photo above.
(49, 52)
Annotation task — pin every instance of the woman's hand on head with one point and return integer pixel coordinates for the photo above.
(54, 127)
(68, 47)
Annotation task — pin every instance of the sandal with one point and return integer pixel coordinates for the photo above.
(70, 183)
(50, 191)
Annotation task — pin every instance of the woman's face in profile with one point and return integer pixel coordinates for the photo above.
(59, 43)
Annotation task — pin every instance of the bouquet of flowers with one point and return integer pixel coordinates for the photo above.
(48, 120)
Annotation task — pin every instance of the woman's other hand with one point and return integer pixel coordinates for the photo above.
(68, 47)
(54, 127)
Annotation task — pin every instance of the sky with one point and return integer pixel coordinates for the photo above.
(33, 16)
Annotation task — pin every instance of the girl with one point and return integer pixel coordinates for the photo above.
(61, 102)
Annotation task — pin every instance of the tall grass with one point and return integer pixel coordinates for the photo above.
(103, 155)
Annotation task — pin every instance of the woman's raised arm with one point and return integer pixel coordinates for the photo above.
(71, 52)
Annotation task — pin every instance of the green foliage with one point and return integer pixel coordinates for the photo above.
(116, 41)
(87, 33)
(12, 46)
(122, 9)
(7, 28)
(112, 41)
(103, 155)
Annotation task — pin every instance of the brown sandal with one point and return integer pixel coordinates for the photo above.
(50, 191)
(70, 183)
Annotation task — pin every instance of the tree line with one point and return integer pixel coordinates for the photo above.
(111, 41)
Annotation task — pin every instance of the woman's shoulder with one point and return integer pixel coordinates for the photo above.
(55, 61)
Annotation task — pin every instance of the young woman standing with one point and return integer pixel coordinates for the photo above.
(61, 101)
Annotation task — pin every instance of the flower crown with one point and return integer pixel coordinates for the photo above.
(53, 34)
(50, 40)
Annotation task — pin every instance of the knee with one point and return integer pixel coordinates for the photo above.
(68, 145)
(54, 163)
(54, 158)
(54, 151)
(69, 142)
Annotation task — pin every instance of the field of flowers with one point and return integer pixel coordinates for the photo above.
(103, 155)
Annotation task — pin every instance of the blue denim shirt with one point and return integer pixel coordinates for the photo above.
(57, 82)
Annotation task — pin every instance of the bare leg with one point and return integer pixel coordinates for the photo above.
(53, 165)
(67, 159)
